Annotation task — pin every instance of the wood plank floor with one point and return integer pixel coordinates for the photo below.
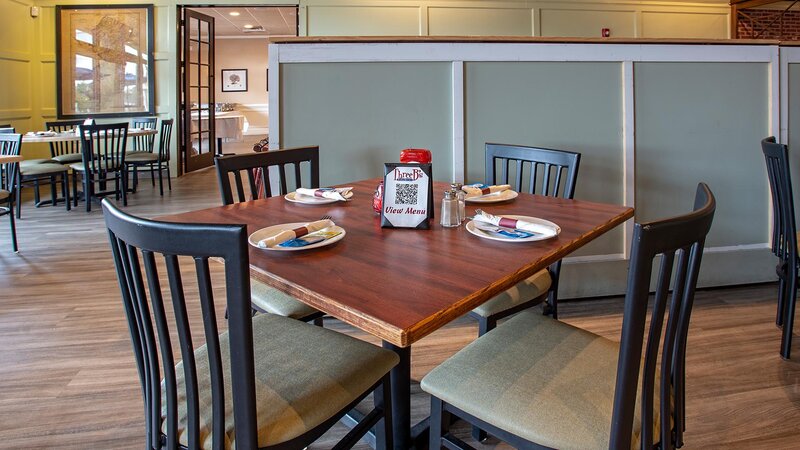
(68, 380)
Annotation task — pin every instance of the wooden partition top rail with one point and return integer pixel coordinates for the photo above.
(515, 40)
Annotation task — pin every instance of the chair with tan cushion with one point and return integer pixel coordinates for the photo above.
(539, 171)
(267, 382)
(535, 381)
(251, 170)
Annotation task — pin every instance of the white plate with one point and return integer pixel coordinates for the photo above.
(275, 229)
(494, 198)
(309, 200)
(538, 237)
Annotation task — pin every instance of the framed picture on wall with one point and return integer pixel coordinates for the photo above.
(234, 80)
(104, 61)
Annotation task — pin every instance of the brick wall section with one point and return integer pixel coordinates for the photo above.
(791, 25)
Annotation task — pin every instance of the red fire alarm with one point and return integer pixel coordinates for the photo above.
(605, 32)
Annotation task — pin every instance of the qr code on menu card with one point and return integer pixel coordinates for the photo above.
(406, 194)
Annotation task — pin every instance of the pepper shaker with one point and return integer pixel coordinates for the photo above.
(449, 217)
(461, 196)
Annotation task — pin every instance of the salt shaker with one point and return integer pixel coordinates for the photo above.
(449, 216)
(462, 202)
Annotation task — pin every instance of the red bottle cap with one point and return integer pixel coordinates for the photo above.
(415, 155)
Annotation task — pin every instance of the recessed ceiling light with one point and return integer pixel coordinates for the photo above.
(234, 13)
(248, 26)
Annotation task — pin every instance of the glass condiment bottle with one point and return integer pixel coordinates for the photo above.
(449, 216)
(461, 196)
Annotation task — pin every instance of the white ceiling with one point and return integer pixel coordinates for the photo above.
(275, 20)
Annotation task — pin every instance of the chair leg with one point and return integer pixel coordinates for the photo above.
(169, 180)
(124, 180)
(160, 179)
(788, 315)
(88, 192)
(152, 176)
(440, 424)
(13, 228)
(75, 188)
(19, 196)
(781, 271)
(36, 199)
(383, 399)
(53, 191)
(65, 189)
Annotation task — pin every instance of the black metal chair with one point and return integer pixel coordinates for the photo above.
(10, 144)
(255, 167)
(66, 152)
(103, 151)
(547, 384)
(784, 237)
(155, 161)
(538, 171)
(268, 382)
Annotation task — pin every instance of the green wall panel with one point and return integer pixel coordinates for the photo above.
(361, 115)
(569, 106)
(794, 128)
(703, 122)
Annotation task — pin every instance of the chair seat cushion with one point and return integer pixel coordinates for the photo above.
(81, 168)
(532, 287)
(304, 374)
(68, 158)
(42, 169)
(271, 300)
(141, 157)
(24, 164)
(538, 378)
(4, 194)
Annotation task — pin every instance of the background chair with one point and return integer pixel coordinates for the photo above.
(67, 152)
(255, 168)
(784, 237)
(536, 171)
(258, 181)
(267, 382)
(546, 383)
(10, 144)
(103, 152)
(155, 161)
(36, 170)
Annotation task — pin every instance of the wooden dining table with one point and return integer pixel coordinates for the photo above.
(402, 284)
(5, 159)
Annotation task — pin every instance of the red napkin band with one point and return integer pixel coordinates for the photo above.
(302, 231)
(485, 191)
(318, 193)
(505, 222)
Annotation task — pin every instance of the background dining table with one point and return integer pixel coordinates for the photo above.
(403, 284)
(66, 137)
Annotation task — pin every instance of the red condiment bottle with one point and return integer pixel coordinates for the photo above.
(415, 155)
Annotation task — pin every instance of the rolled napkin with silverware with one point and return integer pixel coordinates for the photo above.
(288, 235)
(479, 191)
(514, 224)
(341, 194)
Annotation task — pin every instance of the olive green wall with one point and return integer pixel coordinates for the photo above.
(569, 106)
(362, 115)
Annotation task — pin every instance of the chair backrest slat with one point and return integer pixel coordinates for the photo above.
(257, 165)
(135, 242)
(682, 238)
(549, 160)
(64, 147)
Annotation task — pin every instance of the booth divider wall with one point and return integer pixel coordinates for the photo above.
(650, 119)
